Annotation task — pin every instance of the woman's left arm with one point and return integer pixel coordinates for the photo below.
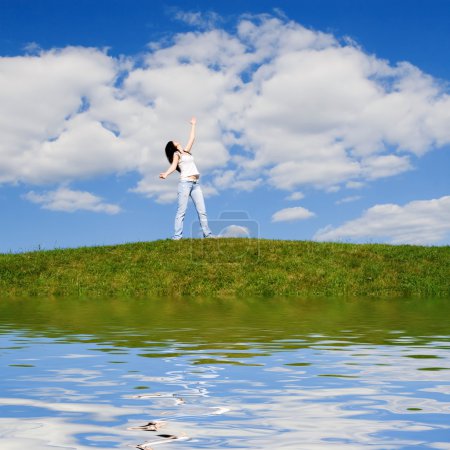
(172, 167)
(188, 147)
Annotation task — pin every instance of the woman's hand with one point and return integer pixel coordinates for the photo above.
(193, 121)
(163, 175)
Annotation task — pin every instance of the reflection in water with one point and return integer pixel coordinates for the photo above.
(248, 374)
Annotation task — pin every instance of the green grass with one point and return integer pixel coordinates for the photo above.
(229, 267)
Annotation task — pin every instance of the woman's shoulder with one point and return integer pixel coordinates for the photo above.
(182, 153)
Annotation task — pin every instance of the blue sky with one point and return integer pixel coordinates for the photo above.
(324, 120)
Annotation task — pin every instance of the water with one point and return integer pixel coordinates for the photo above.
(232, 374)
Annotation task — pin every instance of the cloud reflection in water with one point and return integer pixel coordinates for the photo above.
(350, 387)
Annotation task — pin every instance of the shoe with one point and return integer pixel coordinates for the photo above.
(211, 236)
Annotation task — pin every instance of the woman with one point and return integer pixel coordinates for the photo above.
(182, 161)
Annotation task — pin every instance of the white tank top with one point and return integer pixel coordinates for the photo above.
(187, 166)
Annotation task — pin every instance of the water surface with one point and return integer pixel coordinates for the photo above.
(240, 374)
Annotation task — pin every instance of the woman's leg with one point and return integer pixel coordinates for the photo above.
(199, 202)
(184, 189)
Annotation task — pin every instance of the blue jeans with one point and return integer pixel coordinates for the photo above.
(191, 188)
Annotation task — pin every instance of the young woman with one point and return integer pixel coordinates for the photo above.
(181, 160)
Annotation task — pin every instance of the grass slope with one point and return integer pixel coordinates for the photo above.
(229, 267)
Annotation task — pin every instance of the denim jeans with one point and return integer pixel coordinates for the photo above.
(190, 188)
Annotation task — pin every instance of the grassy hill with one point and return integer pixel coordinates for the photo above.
(229, 267)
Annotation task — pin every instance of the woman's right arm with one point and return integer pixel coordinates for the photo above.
(172, 167)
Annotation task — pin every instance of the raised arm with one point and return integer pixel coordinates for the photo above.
(172, 167)
(193, 122)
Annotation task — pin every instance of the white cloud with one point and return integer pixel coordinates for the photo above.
(49, 131)
(349, 199)
(237, 231)
(289, 214)
(305, 109)
(197, 19)
(418, 222)
(228, 179)
(385, 166)
(166, 192)
(295, 196)
(354, 185)
(64, 199)
(32, 48)
(290, 174)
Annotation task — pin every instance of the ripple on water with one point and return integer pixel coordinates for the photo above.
(296, 378)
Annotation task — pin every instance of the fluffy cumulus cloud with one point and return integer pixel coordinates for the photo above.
(289, 214)
(276, 103)
(49, 131)
(67, 200)
(418, 222)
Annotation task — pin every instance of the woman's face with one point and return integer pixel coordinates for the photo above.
(177, 145)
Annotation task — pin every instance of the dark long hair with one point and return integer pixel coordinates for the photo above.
(170, 150)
